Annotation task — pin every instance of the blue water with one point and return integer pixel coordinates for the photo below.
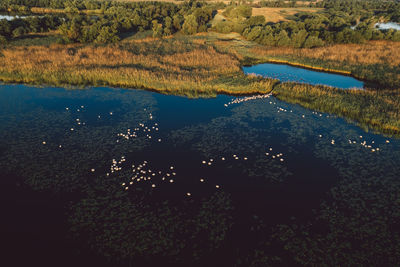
(286, 73)
(61, 208)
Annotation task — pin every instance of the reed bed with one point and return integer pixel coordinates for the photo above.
(378, 110)
(169, 65)
(373, 52)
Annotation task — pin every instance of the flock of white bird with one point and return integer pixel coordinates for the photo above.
(247, 98)
(141, 172)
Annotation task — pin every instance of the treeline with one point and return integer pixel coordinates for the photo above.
(338, 24)
(274, 3)
(113, 18)
(25, 5)
(162, 18)
(314, 30)
(19, 27)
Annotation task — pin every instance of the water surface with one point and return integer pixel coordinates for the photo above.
(286, 73)
(222, 179)
(8, 17)
(387, 26)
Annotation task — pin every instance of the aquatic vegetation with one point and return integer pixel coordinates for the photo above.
(125, 226)
(231, 192)
(360, 216)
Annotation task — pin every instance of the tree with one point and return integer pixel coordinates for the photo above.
(5, 28)
(244, 11)
(223, 27)
(254, 33)
(177, 22)
(298, 39)
(3, 39)
(313, 41)
(190, 25)
(254, 21)
(18, 32)
(157, 29)
(71, 31)
(107, 34)
(168, 26)
(282, 39)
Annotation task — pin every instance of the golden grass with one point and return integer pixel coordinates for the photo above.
(374, 109)
(277, 14)
(373, 52)
(199, 70)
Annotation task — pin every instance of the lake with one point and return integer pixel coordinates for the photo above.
(8, 17)
(387, 26)
(286, 73)
(116, 177)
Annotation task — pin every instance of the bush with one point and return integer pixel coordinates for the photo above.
(313, 41)
(224, 27)
(190, 25)
(3, 40)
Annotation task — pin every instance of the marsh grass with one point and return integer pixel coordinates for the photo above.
(374, 109)
(373, 52)
(176, 66)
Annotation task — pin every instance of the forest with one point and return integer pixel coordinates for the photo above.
(91, 21)
(340, 22)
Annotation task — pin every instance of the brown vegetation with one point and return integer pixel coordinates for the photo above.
(167, 65)
(373, 109)
(373, 52)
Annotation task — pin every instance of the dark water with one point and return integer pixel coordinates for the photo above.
(61, 208)
(287, 73)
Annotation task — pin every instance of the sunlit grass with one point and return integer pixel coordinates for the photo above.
(277, 14)
(177, 66)
(373, 52)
